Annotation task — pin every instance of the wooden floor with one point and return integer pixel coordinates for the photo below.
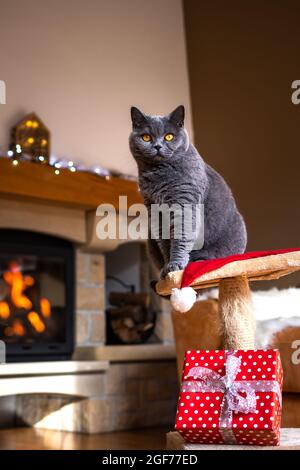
(38, 439)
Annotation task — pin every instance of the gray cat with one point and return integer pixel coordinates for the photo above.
(171, 171)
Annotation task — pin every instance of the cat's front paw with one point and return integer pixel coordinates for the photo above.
(172, 266)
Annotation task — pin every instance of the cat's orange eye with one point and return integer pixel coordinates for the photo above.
(169, 137)
(146, 137)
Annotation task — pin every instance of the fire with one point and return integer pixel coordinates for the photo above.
(18, 283)
(8, 331)
(36, 322)
(18, 299)
(4, 310)
(18, 328)
(45, 307)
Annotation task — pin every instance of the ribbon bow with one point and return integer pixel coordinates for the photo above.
(208, 380)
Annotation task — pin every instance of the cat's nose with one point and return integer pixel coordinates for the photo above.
(157, 147)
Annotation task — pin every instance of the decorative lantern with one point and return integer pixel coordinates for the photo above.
(31, 137)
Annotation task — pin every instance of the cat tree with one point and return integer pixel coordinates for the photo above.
(235, 305)
(236, 319)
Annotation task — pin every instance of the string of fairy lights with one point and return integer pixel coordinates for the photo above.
(30, 141)
(16, 155)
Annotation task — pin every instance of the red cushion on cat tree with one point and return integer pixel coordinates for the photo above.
(196, 269)
(232, 274)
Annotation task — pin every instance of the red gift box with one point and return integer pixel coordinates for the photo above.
(231, 397)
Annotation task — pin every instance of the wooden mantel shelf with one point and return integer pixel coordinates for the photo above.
(81, 189)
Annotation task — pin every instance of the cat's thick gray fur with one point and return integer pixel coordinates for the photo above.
(176, 173)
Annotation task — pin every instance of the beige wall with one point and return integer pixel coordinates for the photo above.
(243, 57)
(80, 64)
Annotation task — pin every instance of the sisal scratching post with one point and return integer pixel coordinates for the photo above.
(236, 315)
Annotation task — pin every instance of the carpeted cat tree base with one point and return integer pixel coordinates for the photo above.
(232, 275)
(290, 440)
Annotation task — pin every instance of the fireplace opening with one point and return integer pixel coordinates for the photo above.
(36, 296)
(131, 305)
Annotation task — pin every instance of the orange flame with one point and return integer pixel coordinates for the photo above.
(36, 322)
(18, 328)
(45, 307)
(18, 283)
(4, 310)
(8, 331)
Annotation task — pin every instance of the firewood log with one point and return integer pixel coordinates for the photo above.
(129, 298)
(135, 312)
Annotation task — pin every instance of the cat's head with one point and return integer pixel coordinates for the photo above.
(157, 138)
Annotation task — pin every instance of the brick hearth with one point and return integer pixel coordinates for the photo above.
(133, 395)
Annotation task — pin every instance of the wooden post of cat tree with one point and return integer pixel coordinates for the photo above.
(236, 313)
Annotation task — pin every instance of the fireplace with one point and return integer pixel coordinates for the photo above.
(36, 296)
(87, 393)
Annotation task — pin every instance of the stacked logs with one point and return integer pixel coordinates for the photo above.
(130, 320)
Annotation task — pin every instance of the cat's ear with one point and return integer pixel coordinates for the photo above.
(177, 116)
(137, 117)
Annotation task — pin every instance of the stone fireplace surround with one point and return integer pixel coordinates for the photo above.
(104, 388)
